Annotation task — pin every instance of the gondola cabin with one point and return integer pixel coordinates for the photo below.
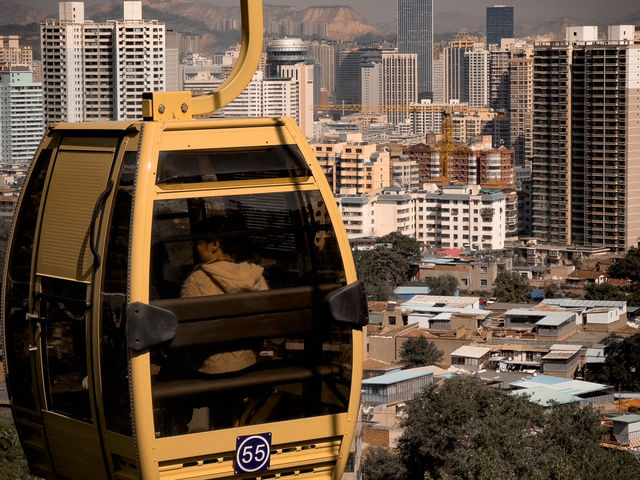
(179, 301)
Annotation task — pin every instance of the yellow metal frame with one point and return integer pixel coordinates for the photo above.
(182, 106)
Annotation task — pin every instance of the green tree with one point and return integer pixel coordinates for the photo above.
(404, 245)
(622, 362)
(604, 291)
(381, 270)
(627, 266)
(512, 287)
(380, 464)
(442, 285)
(418, 352)
(463, 429)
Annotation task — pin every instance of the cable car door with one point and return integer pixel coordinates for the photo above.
(66, 258)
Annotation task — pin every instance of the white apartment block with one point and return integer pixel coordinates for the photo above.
(21, 117)
(478, 71)
(399, 83)
(98, 71)
(461, 217)
(302, 75)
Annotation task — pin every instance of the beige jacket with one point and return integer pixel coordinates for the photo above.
(216, 278)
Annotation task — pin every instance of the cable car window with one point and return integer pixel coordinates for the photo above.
(246, 275)
(19, 334)
(113, 343)
(63, 307)
(221, 165)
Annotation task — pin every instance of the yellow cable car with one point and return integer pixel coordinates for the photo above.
(179, 298)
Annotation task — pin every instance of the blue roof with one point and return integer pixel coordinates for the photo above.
(354, 200)
(396, 377)
(563, 385)
(544, 396)
(412, 290)
(537, 293)
(394, 197)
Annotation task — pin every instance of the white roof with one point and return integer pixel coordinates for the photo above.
(546, 318)
(470, 351)
(448, 301)
(570, 302)
(561, 347)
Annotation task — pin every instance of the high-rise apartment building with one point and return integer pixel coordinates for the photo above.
(520, 111)
(477, 68)
(324, 54)
(415, 35)
(586, 141)
(99, 71)
(510, 86)
(456, 78)
(371, 78)
(21, 118)
(399, 83)
(499, 24)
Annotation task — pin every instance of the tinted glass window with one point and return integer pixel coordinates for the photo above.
(246, 275)
(222, 165)
(288, 235)
(19, 333)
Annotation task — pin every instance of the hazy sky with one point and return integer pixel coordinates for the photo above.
(382, 10)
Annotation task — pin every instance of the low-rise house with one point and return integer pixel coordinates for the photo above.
(395, 387)
(518, 357)
(471, 357)
(626, 430)
(562, 360)
(548, 324)
(598, 315)
(585, 277)
(587, 304)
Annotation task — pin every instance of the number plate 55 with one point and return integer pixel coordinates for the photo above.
(253, 453)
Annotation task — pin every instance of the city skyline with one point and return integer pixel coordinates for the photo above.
(377, 11)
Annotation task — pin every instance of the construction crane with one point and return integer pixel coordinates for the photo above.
(447, 111)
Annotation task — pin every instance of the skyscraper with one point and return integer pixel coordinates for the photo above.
(415, 35)
(499, 23)
(586, 146)
(99, 71)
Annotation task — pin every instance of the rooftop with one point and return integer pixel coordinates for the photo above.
(557, 384)
(396, 377)
(419, 301)
(546, 318)
(545, 396)
(627, 418)
(470, 351)
(570, 303)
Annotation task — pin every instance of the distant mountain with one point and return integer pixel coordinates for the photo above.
(19, 14)
(344, 23)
